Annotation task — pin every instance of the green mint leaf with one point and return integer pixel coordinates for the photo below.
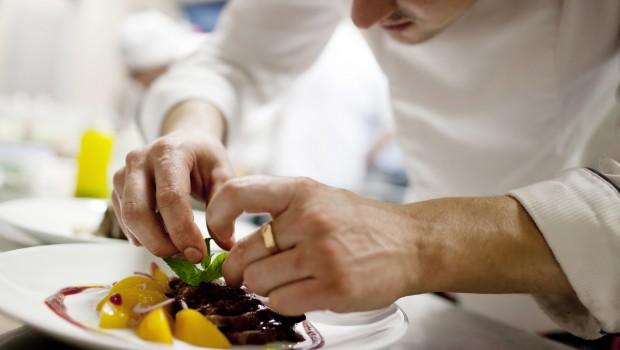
(214, 270)
(186, 271)
(191, 274)
(207, 259)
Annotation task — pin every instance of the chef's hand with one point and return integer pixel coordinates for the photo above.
(341, 252)
(337, 251)
(151, 196)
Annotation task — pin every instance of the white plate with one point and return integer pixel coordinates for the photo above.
(74, 220)
(56, 220)
(28, 276)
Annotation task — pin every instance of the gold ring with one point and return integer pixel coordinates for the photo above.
(268, 239)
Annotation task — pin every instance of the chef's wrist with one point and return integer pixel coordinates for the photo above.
(195, 115)
(458, 248)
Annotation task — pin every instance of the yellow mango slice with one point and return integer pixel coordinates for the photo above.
(113, 316)
(126, 299)
(193, 327)
(155, 326)
(103, 301)
(137, 281)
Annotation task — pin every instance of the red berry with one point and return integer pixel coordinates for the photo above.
(116, 299)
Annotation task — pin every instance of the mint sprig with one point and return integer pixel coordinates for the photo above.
(192, 274)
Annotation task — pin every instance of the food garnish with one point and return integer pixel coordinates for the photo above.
(139, 301)
(196, 307)
(191, 274)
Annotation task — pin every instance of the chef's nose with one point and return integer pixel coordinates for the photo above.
(365, 13)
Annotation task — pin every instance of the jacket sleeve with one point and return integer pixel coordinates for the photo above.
(256, 51)
(579, 215)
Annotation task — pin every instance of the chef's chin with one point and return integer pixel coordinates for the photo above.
(411, 36)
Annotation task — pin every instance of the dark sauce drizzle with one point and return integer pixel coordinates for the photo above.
(56, 302)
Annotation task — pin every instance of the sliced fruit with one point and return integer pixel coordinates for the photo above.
(138, 281)
(128, 298)
(113, 316)
(193, 327)
(155, 326)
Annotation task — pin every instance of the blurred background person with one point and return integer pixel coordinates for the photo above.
(149, 42)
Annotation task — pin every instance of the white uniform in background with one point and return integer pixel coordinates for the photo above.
(503, 101)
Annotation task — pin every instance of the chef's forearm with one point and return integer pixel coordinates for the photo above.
(485, 245)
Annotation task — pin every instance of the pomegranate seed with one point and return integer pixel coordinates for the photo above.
(116, 299)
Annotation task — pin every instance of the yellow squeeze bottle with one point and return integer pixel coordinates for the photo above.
(92, 163)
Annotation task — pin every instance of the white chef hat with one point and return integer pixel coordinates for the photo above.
(150, 39)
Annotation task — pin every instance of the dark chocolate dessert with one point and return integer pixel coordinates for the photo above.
(240, 315)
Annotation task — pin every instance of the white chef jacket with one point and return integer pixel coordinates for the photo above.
(502, 102)
(323, 131)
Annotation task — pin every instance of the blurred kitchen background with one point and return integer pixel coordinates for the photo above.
(62, 74)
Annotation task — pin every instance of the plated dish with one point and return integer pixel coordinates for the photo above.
(29, 276)
(74, 220)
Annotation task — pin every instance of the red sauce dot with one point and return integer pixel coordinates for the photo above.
(116, 299)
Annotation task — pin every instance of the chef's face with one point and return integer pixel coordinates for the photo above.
(408, 21)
